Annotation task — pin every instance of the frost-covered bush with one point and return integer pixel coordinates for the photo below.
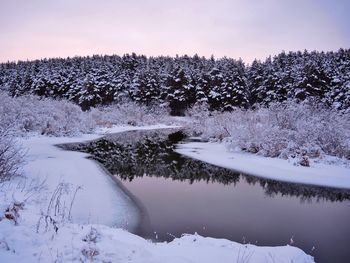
(46, 116)
(283, 130)
(62, 118)
(129, 113)
(212, 125)
(10, 153)
(199, 114)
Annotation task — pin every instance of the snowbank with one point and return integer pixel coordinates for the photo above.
(270, 168)
(87, 243)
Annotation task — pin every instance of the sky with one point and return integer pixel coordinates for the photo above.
(247, 29)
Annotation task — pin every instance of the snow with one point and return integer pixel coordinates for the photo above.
(214, 94)
(100, 206)
(53, 165)
(271, 168)
(74, 243)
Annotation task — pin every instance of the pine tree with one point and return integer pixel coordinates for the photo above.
(177, 86)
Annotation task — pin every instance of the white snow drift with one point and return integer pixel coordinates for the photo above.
(271, 168)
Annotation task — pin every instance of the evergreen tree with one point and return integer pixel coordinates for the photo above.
(177, 87)
(182, 81)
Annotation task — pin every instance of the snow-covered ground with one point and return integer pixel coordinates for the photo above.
(271, 168)
(98, 200)
(98, 243)
(65, 208)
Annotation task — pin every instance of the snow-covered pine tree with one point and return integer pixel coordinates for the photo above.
(176, 89)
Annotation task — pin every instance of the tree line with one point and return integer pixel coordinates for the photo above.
(182, 81)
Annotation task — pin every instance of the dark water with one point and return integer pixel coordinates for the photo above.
(182, 195)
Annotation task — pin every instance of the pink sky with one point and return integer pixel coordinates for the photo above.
(32, 29)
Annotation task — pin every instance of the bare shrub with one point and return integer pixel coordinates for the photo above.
(129, 113)
(59, 208)
(43, 115)
(199, 114)
(209, 124)
(11, 155)
(15, 194)
(90, 253)
(12, 212)
(92, 237)
(284, 130)
(63, 118)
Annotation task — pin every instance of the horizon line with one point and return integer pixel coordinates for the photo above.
(172, 56)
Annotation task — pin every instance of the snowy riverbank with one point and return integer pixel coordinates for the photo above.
(98, 243)
(64, 208)
(271, 168)
(99, 200)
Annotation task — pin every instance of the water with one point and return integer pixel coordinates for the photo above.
(180, 195)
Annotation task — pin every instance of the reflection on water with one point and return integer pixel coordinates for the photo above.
(150, 153)
(183, 195)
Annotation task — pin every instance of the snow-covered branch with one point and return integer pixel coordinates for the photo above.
(285, 130)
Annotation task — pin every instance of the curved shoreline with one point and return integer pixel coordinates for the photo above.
(133, 201)
(321, 175)
(98, 200)
(130, 202)
(48, 164)
(143, 221)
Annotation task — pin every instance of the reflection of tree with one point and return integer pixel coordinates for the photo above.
(136, 154)
(151, 153)
(304, 192)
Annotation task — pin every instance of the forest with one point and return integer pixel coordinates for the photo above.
(180, 82)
